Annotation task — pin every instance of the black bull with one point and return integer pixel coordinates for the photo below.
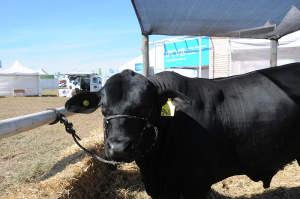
(247, 124)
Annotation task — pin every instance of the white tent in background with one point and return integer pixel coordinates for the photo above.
(253, 54)
(48, 81)
(42, 72)
(17, 77)
(139, 60)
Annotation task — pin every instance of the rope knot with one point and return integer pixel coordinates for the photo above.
(62, 119)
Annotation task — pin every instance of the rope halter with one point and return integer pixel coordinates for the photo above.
(106, 121)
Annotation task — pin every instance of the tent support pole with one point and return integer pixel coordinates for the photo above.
(273, 53)
(145, 51)
(200, 58)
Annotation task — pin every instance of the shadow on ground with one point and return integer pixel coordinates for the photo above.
(49, 95)
(63, 163)
(277, 193)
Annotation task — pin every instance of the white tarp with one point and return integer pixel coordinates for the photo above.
(42, 72)
(17, 77)
(253, 54)
(48, 83)
(131, 65)
(18, 69)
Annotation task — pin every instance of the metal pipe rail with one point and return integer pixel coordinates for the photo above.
(16, 125)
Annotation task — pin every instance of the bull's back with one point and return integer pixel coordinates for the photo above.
(261, 115)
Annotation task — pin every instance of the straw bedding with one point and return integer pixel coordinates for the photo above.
(78, 176)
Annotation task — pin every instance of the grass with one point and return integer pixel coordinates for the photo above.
(50, 92)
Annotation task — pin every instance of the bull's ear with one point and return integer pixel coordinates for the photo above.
(179, 100)
(83, 102)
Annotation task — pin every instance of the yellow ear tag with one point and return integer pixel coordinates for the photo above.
(168, 109)
(86, 103)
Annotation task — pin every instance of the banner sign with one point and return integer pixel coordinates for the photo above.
(100, 73)
(186, 53)
(139, 68)
(0, 64)
(205, 51)
(46, 76)
(58, 74)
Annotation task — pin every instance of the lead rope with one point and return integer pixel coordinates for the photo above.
(69, 128)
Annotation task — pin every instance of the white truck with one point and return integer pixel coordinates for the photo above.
(83, 81)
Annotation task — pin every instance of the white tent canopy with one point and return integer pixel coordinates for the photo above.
(252, 54)
(42, 72)
(131, 65)
(48, 83)
(17, 77)
(18, 69)
(238, 46)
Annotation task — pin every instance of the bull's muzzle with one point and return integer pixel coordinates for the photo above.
(123, 151)
(118, 150)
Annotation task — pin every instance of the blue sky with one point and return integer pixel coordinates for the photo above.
(69, 35)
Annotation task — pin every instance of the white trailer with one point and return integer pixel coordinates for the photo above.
(83, 81)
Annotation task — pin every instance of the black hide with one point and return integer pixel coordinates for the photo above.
(246, 124)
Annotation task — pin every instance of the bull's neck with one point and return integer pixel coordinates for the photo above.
(170, 81)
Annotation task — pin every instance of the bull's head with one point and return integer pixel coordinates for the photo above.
(131, 94)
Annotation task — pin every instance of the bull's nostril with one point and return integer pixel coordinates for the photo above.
(116, 149)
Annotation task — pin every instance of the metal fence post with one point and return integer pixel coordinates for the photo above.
(145, 51)
(273, 51)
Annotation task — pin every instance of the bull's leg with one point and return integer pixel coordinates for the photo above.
(195, 190)
(196, 186)
(171, 191)
(265, 177)
(161, 188)
(298, 160)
